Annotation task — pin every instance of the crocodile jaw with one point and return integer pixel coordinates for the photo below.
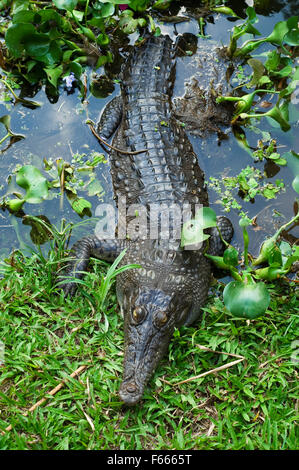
(147, 337)
(144, 348)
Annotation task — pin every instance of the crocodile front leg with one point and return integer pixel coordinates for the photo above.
(82, 250)
(216, 246)
(110, 118)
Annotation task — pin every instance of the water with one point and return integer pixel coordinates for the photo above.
(58, 130)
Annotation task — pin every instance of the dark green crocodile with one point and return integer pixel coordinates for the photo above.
(172, 284)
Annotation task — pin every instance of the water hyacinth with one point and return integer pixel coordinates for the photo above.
(274, 113)
(69, 81)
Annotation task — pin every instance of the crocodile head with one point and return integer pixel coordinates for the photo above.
(150, 316)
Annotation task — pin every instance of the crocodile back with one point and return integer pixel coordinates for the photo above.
(167, 171)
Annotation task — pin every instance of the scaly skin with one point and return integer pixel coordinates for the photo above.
(172, 285)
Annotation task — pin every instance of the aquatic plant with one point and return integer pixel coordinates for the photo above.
(269, 76)
(51, 41)
(59, 175)
(247, 296)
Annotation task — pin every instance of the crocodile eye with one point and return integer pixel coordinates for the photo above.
(138, 314)
(161, 318)
(183, 314)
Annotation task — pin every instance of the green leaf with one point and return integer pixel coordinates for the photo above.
(207, 217)
(162, 4)
(292, 259)
(192, 231)
(279, 31)
(67, 55)
(275, 113)
(285, 248)
(284, 72)
(94, 188)
(265, 251)
(80, 204)
(243, 103)
(6, 121)
(98, 22)
(79, 15)
(241, 139)
(218, 261)
(65, 4)
(37, 45)
(245, 222)
(15, 204)
(264, 80)
(76, 68)
(29, 16)
(49, 15)
(295, 184)
(246, 300)
(53, 74)
(115, 2)
(88, 33)
(23, 16)
(30, 64)
(53, 56)
(127, 23)
(138, 5)
(103, 39)
(274, 256)
(258, 71)
(15, 37)
(292, 159)
(225, 11)
(230, 256)
(35, 184)
(270, 273)
(272, 61)
(251, 14)
(106, 10)
(102, 60)
(292, 38)
(40, 232)
(19, 5)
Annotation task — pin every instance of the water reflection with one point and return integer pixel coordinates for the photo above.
(58, 130)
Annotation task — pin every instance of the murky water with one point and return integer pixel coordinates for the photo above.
(58, 130)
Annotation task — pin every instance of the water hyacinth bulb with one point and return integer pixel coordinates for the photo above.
(246, 299)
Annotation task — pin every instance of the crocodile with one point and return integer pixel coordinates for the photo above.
(152, 164)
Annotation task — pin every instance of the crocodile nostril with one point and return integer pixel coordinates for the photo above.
(131, 387)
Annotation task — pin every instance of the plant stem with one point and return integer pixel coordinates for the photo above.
(5, 137)
(39, 3)
(22, 100)
(246, 243)
(9, 87)
(234, 273)
(126, 152)
(85, 11)
(283, 227)
(221, 237)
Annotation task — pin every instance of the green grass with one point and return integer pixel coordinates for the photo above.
(248, 406)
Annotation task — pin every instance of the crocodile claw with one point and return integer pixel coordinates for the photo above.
(68, 286)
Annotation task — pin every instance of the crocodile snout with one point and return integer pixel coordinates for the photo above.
(130, 393)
